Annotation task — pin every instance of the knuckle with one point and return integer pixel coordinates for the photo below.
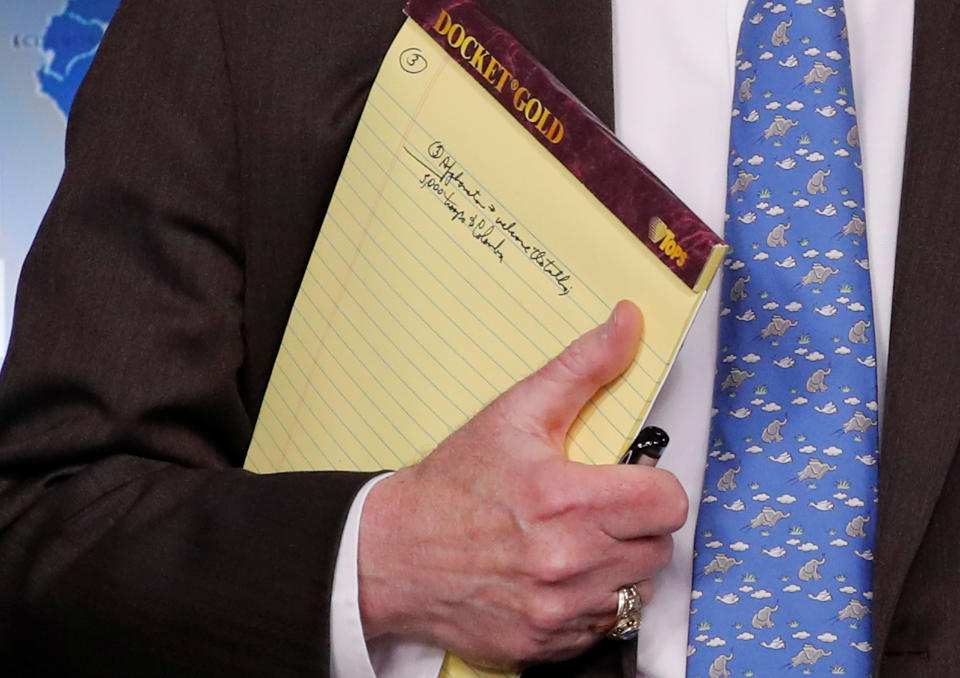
(556, 564)
(671, 500)
(572, 360)
(547, 613)
(678, 507)
(662, 551)
(578, 361)
(652, 556)
(550, 494)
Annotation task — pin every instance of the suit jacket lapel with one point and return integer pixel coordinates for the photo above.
(921, 428)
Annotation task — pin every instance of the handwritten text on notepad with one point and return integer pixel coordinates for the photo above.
(443, 177)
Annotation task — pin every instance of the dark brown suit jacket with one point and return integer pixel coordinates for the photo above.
(202, 152)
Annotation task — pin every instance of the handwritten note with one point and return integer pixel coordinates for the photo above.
(456, 257)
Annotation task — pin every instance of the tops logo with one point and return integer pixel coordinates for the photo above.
(661, 235)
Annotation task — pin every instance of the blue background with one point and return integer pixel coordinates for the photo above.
(47, 47)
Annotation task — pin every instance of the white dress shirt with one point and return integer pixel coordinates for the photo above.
(674, 83)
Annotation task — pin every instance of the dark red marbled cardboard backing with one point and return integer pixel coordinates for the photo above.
(588, 149)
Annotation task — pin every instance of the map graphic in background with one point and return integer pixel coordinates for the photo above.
(46, 47)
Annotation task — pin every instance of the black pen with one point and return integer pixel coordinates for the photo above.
(647, 447)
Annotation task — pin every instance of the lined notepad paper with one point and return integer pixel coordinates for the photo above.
(457, 256)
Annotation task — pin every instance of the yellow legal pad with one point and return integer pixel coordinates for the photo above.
(457, 256)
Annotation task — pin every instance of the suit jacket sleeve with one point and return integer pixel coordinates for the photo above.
(131, 544)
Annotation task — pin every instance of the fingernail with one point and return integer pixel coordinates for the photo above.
(612, 320)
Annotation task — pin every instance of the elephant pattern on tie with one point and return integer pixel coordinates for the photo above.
(784, 543)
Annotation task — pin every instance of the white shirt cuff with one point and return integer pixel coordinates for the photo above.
(350, 655)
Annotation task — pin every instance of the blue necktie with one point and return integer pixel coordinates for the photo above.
(783, 552)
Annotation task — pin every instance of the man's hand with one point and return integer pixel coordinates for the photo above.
(500, 549)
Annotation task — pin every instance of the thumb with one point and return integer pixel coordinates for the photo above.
(547, 402)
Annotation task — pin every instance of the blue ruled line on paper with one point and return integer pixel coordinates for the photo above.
(479, 320)
(480, 184)
(399, 351)
(460, 246)
(656, 380)
(479, 372)
(376, 379)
